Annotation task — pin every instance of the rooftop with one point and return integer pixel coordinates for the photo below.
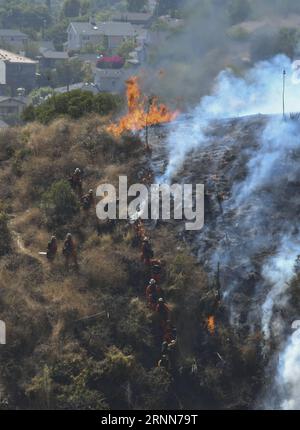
(109, 73)
(23, 100)
(108, 28)
(132, 17)
(8, 32)
(11, 57)
(54, 55)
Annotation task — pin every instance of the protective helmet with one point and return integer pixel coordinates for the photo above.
(152, 282)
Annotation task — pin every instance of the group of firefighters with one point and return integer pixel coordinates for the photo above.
(87, 201)
(69, 250)
(154, 294)
(156, 299)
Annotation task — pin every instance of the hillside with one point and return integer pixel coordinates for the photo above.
(86, 339)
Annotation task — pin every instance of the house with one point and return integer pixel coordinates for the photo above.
(110, 80)
(13, 38)
(16, 71)
(49, 57)
(135, 18)
(11, 108)
(110, 34)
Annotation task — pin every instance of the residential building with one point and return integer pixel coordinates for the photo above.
(11, 108)
(109, 34)
(13, 38)
(110, 80)
(49, 57)
(16, 72)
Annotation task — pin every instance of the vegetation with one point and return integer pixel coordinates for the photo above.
(136, 5)
(59, 203)
(5, 236)
(75, 103)
(71, 334)
(24, 15)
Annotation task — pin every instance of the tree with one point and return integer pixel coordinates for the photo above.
(136, 5)
(39, 95)
(85, 7)
(71, 8)
(238, 10)
(165, 7)
(24, 15)
(57, 33)
(125, 48)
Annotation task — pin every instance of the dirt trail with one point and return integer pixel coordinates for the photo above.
(19, 243)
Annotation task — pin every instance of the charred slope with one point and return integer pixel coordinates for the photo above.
(250, 168)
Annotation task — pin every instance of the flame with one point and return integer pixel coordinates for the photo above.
(140, 111)
(211, 325)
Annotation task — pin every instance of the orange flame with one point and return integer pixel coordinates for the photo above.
(139, 114)
(211, 325)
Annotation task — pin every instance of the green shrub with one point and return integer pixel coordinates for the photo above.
(75, 103)
(60, 203)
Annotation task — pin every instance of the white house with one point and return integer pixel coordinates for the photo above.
(110, 80)
(110, 34)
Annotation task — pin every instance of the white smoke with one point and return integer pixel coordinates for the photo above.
(278, 272)
(288, 375)
(260, 91)
(278, 139)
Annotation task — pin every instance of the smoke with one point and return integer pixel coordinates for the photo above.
(189, 54)
(259, 223)
(260, 91)
(278, 272)
(288, 374)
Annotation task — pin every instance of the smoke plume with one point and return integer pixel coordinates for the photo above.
(256, 203)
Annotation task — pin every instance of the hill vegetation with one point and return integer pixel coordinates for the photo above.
(86, 339)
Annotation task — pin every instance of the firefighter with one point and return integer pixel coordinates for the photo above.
(172, 353)
(164, 362)
(156, 270)
(153, 292)
(69, 250)
(164, 348)
(147, 252)
(76, 181)
(87, 200)
(164, 312)
(139, 229)
(52, 249)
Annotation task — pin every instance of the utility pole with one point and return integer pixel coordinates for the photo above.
(283, 94)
